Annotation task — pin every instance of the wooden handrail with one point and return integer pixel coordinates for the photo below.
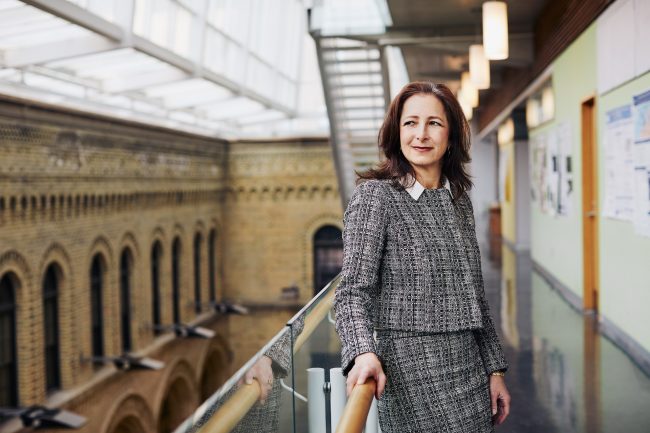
(313, 319)
(353, 419)
(226, 418)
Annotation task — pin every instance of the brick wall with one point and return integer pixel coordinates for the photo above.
(75, 186)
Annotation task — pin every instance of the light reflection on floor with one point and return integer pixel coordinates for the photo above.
(565, 376)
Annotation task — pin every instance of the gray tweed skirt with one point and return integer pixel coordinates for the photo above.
(435, 383)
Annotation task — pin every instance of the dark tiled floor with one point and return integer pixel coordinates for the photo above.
(564, 376)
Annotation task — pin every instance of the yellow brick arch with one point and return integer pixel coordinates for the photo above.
(14, 264)
(177, 396)
(308, 246)
(159, 235)
(13, 261)
(102, 246)
(219, 350)
(129, 412)
(139, 299)
(68, 311)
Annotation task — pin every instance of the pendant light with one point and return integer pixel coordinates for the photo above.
(495, 30)
(465, 105)
(469, 90)
(479, 67)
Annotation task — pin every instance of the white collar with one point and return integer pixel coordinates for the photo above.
(417, 188)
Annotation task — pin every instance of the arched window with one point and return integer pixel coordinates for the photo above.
(51, 282)
(328, 255)
(9, 358)
(212, 265)
(156, 254)
(176, 280)
(126, 271)
(97, 273)
(198, 242)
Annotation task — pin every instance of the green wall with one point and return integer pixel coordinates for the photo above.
(624, 255)
(556, 241)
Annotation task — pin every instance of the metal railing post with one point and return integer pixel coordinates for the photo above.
(337, 395)
(316, 400)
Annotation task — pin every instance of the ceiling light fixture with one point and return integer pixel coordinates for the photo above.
(495, 30)
(464, 105)
(470, 92)
(479, 67)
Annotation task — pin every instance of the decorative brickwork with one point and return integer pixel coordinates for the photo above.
(78, 186)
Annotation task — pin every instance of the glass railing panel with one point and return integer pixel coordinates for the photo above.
(315, 345)
(275, 401)
(253, 399)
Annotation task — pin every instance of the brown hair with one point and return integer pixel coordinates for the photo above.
(396, 166)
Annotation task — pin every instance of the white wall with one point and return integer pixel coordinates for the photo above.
(483, 170)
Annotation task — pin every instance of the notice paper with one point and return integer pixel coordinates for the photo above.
(642, 163)
(619, 164)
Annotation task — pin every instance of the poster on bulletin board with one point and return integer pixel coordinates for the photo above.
(552, 184)
(619, 164)
(642, 163)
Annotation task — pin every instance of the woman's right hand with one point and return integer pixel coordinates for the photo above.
(366, 365)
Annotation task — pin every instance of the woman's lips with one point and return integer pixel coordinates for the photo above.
(422, 149)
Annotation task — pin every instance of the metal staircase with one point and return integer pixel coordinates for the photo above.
(355, 83)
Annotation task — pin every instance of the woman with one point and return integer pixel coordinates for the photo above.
(412, 273)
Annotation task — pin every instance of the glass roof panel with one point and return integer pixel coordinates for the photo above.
(106, 58)
(200, 65)
(351, 17)
(188, 93)
(9, 4)
(110, 64)
(232, 17)
(24, 26)
(264, 117)
(232, 108)
(104, 8)
(43, 82)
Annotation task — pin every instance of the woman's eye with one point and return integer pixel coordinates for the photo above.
(435, 122)
(409, 122)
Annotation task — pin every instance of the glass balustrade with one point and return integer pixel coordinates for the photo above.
(269, 392)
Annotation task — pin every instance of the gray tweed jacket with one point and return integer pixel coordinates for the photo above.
(412, 265)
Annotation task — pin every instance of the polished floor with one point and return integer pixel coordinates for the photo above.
(564, 376)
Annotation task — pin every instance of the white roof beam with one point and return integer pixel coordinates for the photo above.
(75, 14)
(195, 101)
(43, 53)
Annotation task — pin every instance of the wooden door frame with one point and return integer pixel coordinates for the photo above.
(588, 121)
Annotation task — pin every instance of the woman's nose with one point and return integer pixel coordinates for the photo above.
(422, 134)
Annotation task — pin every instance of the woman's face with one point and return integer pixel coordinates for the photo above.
(423, 131)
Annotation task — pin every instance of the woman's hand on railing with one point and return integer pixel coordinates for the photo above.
(263, 373)
(366, 365)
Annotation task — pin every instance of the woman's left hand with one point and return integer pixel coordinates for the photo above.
(263, 373)
(500, 398)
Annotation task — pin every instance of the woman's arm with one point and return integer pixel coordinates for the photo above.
(364, 235)
(486, 337)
